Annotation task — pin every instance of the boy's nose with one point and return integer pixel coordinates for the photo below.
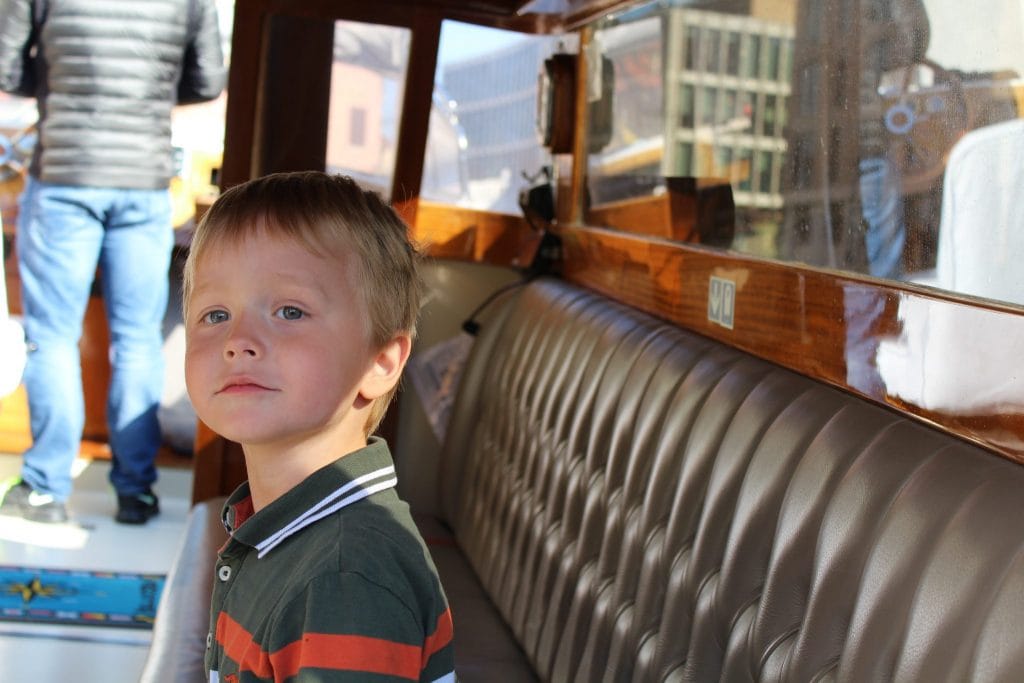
(242, 342)
(232, 351)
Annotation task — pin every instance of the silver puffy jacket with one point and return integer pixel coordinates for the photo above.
(106, 74)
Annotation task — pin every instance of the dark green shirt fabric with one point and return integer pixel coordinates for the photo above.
(330, 582)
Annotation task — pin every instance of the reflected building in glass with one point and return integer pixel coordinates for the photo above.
(702, 91)
(727, 88)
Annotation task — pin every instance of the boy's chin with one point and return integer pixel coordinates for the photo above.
(250, 431)
(244, 435)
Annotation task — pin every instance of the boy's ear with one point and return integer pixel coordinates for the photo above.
(386, 368)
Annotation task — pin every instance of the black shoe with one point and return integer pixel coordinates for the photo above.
(137, 508)
(19, 500)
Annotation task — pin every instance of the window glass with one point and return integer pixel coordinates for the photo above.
(882, 137)
(733, 53)
(692, 47)
(367, 82)
(634, 149)
(483, 134)
(752, 62)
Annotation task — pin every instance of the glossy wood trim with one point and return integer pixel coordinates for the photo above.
(244, 86)
(94, 350)
(579, 155)
(949, 361)
(394, 13)
(686, 210)
(218, 465)
(416, 105)
(445, 231)
(649, 215)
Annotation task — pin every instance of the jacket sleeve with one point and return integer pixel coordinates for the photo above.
(17, 72)
(203, 74)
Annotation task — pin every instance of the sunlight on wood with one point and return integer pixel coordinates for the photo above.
(15, 436)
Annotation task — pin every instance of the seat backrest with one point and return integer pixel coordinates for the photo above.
(644, 504)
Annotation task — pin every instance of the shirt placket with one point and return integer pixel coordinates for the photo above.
(229, 561)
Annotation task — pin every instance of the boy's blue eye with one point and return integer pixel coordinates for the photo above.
(214, 317)
(290, 313)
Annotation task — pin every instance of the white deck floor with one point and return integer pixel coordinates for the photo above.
(88, 654)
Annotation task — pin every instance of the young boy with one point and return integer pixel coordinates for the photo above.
(301, 294)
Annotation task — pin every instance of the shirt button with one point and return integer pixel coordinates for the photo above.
(209, 640)
(224, 573)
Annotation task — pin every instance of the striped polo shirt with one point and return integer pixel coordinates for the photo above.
(331, 581)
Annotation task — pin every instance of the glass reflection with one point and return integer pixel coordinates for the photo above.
(874, 136)
(914, 365)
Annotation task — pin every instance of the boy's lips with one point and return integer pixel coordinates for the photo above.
(241, 385)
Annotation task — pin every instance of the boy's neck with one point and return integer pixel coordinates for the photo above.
(275, 470)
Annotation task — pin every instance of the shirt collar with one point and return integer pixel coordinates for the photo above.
(345, 481)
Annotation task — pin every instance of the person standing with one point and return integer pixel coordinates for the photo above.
(105, 76)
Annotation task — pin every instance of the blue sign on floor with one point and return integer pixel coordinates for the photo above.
(79, 597)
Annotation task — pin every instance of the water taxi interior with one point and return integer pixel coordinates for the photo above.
(719, 377)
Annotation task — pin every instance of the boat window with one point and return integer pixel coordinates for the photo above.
(881, 137)
(483, 135)
(367, 84)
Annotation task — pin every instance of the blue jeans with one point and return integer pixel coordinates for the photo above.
(64, 234)
(881, 197)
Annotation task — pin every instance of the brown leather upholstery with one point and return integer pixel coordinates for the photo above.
(625, 501)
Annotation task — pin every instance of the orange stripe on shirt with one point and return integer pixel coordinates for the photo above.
(347, 653)
(439, 639)
(327, 651)
(239, 646)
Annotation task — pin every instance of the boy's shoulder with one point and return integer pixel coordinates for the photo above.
(360, 571)
(350, 519)
(369, 557)
(341, 555)
(377, 537)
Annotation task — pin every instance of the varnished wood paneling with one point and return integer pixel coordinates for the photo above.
(293, 112)
(686, 210)
(10, 191)
(946, 360)
(15, 435)
(240, 133)
(416, 105)
(573, 212)
(219, 465)
(649, 215)
(503, 14)
(95, 352)
(467, 234)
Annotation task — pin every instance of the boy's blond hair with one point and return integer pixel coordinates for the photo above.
(331, 216)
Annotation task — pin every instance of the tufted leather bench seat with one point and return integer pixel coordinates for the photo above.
(625, 501)
(622, 500)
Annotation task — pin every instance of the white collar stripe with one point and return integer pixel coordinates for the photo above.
(269, 544)
(298, 521)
